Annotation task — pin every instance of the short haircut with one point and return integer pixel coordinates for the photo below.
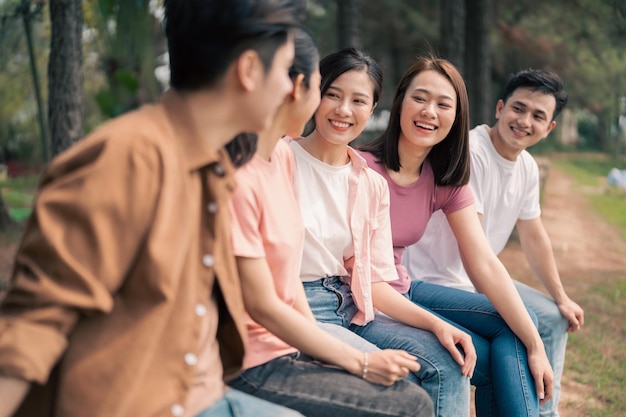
(449, 158)
(543, 81)
(205, 36)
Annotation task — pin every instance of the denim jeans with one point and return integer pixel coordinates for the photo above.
(331, 302)
(553, 331)
(512, 383)
(238, 404)
(317, 390)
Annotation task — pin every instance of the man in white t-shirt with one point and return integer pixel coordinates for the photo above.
(505, 183)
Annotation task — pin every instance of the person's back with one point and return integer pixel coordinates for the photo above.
(124, 299)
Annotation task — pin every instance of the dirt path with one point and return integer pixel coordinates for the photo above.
(587, 250)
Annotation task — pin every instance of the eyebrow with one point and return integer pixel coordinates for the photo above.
(426, 91)
(332, 87)
(539, 111)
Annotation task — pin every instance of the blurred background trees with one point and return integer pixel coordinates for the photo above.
(122, 59)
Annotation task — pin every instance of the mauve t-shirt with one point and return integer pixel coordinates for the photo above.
(411, 208)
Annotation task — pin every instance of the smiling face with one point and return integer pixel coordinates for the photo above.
(524, 120)
(428, 111)
(345, 107)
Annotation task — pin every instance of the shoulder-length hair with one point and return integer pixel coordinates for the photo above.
(449, 159)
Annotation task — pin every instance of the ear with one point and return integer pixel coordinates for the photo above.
(298, 88)
(550, 127)
(249, 70)
(373, 107)
(499, 106)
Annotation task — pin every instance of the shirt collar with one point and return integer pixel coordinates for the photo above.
(358, 162)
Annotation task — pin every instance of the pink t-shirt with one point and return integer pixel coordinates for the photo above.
(267, 224)
(411, 208)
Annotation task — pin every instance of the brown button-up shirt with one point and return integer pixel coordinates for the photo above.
(126, 252)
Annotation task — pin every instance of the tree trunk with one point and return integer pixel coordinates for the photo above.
(348, 23)
(5, 219)
(453, 32)
(65, 79)
(478, 61)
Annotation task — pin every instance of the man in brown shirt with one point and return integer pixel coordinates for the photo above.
(124, 298)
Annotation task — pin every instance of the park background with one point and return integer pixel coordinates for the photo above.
(68, 65)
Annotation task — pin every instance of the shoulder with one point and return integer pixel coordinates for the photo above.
(126, 142)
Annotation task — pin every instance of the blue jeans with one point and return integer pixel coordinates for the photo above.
(317, 390)
(512, 383)
(331, 302)
(238, 404)
(553, 331)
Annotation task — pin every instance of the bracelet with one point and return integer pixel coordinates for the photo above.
(365, 363)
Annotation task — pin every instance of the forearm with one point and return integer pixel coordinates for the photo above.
(389, 301)
(12, 393)
(300, 332)
(502, 293)
(285, 321)
(541, 260)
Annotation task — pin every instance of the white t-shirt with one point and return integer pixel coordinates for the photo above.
(328, 235)
(504, 192)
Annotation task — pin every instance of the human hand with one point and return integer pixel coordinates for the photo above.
(542, 373)
(573, 313)
(386, 367)
(451, 337)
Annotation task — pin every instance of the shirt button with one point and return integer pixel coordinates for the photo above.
(366, 295)
(200, 310)
(218, 170)
(359, 264)
(212, 207)
(177, 410)
(208, 260)
(191, 359)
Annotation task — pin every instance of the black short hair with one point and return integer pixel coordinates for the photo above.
(538, 80)
(205, 36)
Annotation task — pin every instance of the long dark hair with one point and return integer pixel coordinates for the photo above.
(306, 56)
(449, 159)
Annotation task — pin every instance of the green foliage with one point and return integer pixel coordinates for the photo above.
(130, 42)
(18, 194)
(19, 131)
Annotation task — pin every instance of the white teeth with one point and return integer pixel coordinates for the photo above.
(343, 125)
(424, 126)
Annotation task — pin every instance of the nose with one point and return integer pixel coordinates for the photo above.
(427, 110)
(524, 119)
(343, 108)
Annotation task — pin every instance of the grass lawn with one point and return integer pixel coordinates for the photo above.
(597, 353)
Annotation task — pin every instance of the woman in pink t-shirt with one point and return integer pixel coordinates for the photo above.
(287, 353)
(348, 256)
(424, 157)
